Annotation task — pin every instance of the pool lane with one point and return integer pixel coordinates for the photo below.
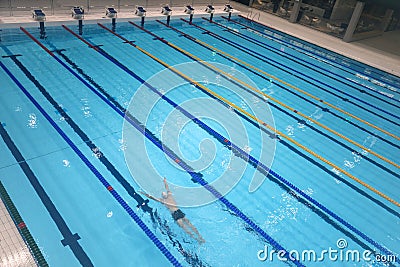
(70, 239)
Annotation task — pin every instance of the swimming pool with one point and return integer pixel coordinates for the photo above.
(231, 102)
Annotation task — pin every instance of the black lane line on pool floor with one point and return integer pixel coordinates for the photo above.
(241, 48)
(238, 213)
(311, 66)
(327, 110)
(288, 190)
(284, 142)
(70, 239)
(309, 53)
(346, 59)
(141, 203)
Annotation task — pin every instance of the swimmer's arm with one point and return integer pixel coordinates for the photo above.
(150, 196)
(166, 184)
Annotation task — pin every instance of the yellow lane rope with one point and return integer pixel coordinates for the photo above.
(262, 122)
(296, 88)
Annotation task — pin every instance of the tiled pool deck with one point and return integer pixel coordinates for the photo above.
(13, 250)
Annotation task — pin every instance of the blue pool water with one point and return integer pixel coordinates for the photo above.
(77, 116)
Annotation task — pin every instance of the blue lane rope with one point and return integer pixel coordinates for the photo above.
(266, 59)
(114, 193)
(311, 53)
(251, 159)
